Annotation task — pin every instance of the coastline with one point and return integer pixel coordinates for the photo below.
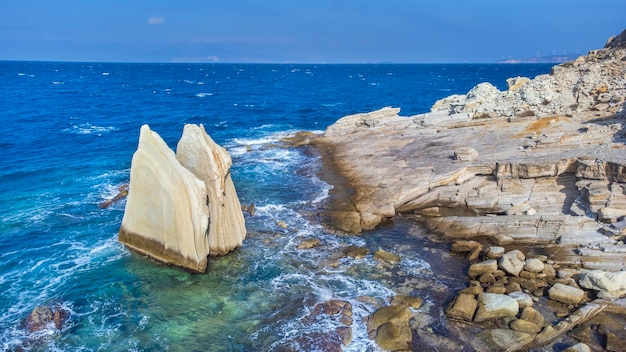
(525, 168)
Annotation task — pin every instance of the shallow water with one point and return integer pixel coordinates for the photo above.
(67, 136)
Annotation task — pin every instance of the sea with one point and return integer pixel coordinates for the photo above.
(68, 131)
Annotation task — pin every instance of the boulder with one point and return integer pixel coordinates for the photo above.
(601, 280)
(388, 314)
(493, 305)
(566, 294)
(532, 315)
(523, 299)
(525, 326)
(309, 243)
(463, 307)
(393, 337)
(44, 316)
(461, 246)
(166, 215)
(406, 301)
(512, 262)
(495, 252)
(485, 267)
(390, 327)
(534, 265)
(356, 252)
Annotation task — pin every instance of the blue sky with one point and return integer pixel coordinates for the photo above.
(320, 31)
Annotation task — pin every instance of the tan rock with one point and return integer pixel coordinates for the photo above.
(393, 336)
(566, 294)
(512, 262)
(484, 267)
(524, 326)
(356, 252)
(406, 301)
(492, 305)
(601, 280)
(211, 163)
(532, 315)
(309, 243)
(386, 257)
(472, 290)
(461, 246)
(534, 265)
(523, 299)
(463, 307)
(495, 252)
(396, 314)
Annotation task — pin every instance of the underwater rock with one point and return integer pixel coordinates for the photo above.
(122, 192)
(309, 243)
(386, 257)
(178, 214)
(45, 315)
(356, 252)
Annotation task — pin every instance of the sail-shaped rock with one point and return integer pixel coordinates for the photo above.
(166, 215)
(211, 163)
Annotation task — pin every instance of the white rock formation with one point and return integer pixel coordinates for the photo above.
(170, 212)
(211, 163)
(166, 214)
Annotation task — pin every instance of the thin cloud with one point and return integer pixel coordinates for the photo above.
(154, 21)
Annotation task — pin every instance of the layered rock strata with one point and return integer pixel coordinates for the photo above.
(541, 166)
(541, 162)
(181, 208)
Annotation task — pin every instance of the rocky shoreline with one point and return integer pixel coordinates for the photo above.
(540, 167)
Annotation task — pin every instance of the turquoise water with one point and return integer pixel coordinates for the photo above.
(67, 136)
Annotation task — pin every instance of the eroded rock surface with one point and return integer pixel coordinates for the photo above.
(544, 161)
(179, 212)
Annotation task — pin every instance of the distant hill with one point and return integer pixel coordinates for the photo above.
(550, 59)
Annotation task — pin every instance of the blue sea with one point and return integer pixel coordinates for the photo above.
(67, 135)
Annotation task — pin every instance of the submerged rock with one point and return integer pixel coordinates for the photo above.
(44, 316)
(178, 214)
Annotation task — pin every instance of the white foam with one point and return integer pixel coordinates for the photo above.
(415, 266)
(203, 95)
(87, 128)
(323, 193)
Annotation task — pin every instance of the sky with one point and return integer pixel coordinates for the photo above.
(304, 31)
